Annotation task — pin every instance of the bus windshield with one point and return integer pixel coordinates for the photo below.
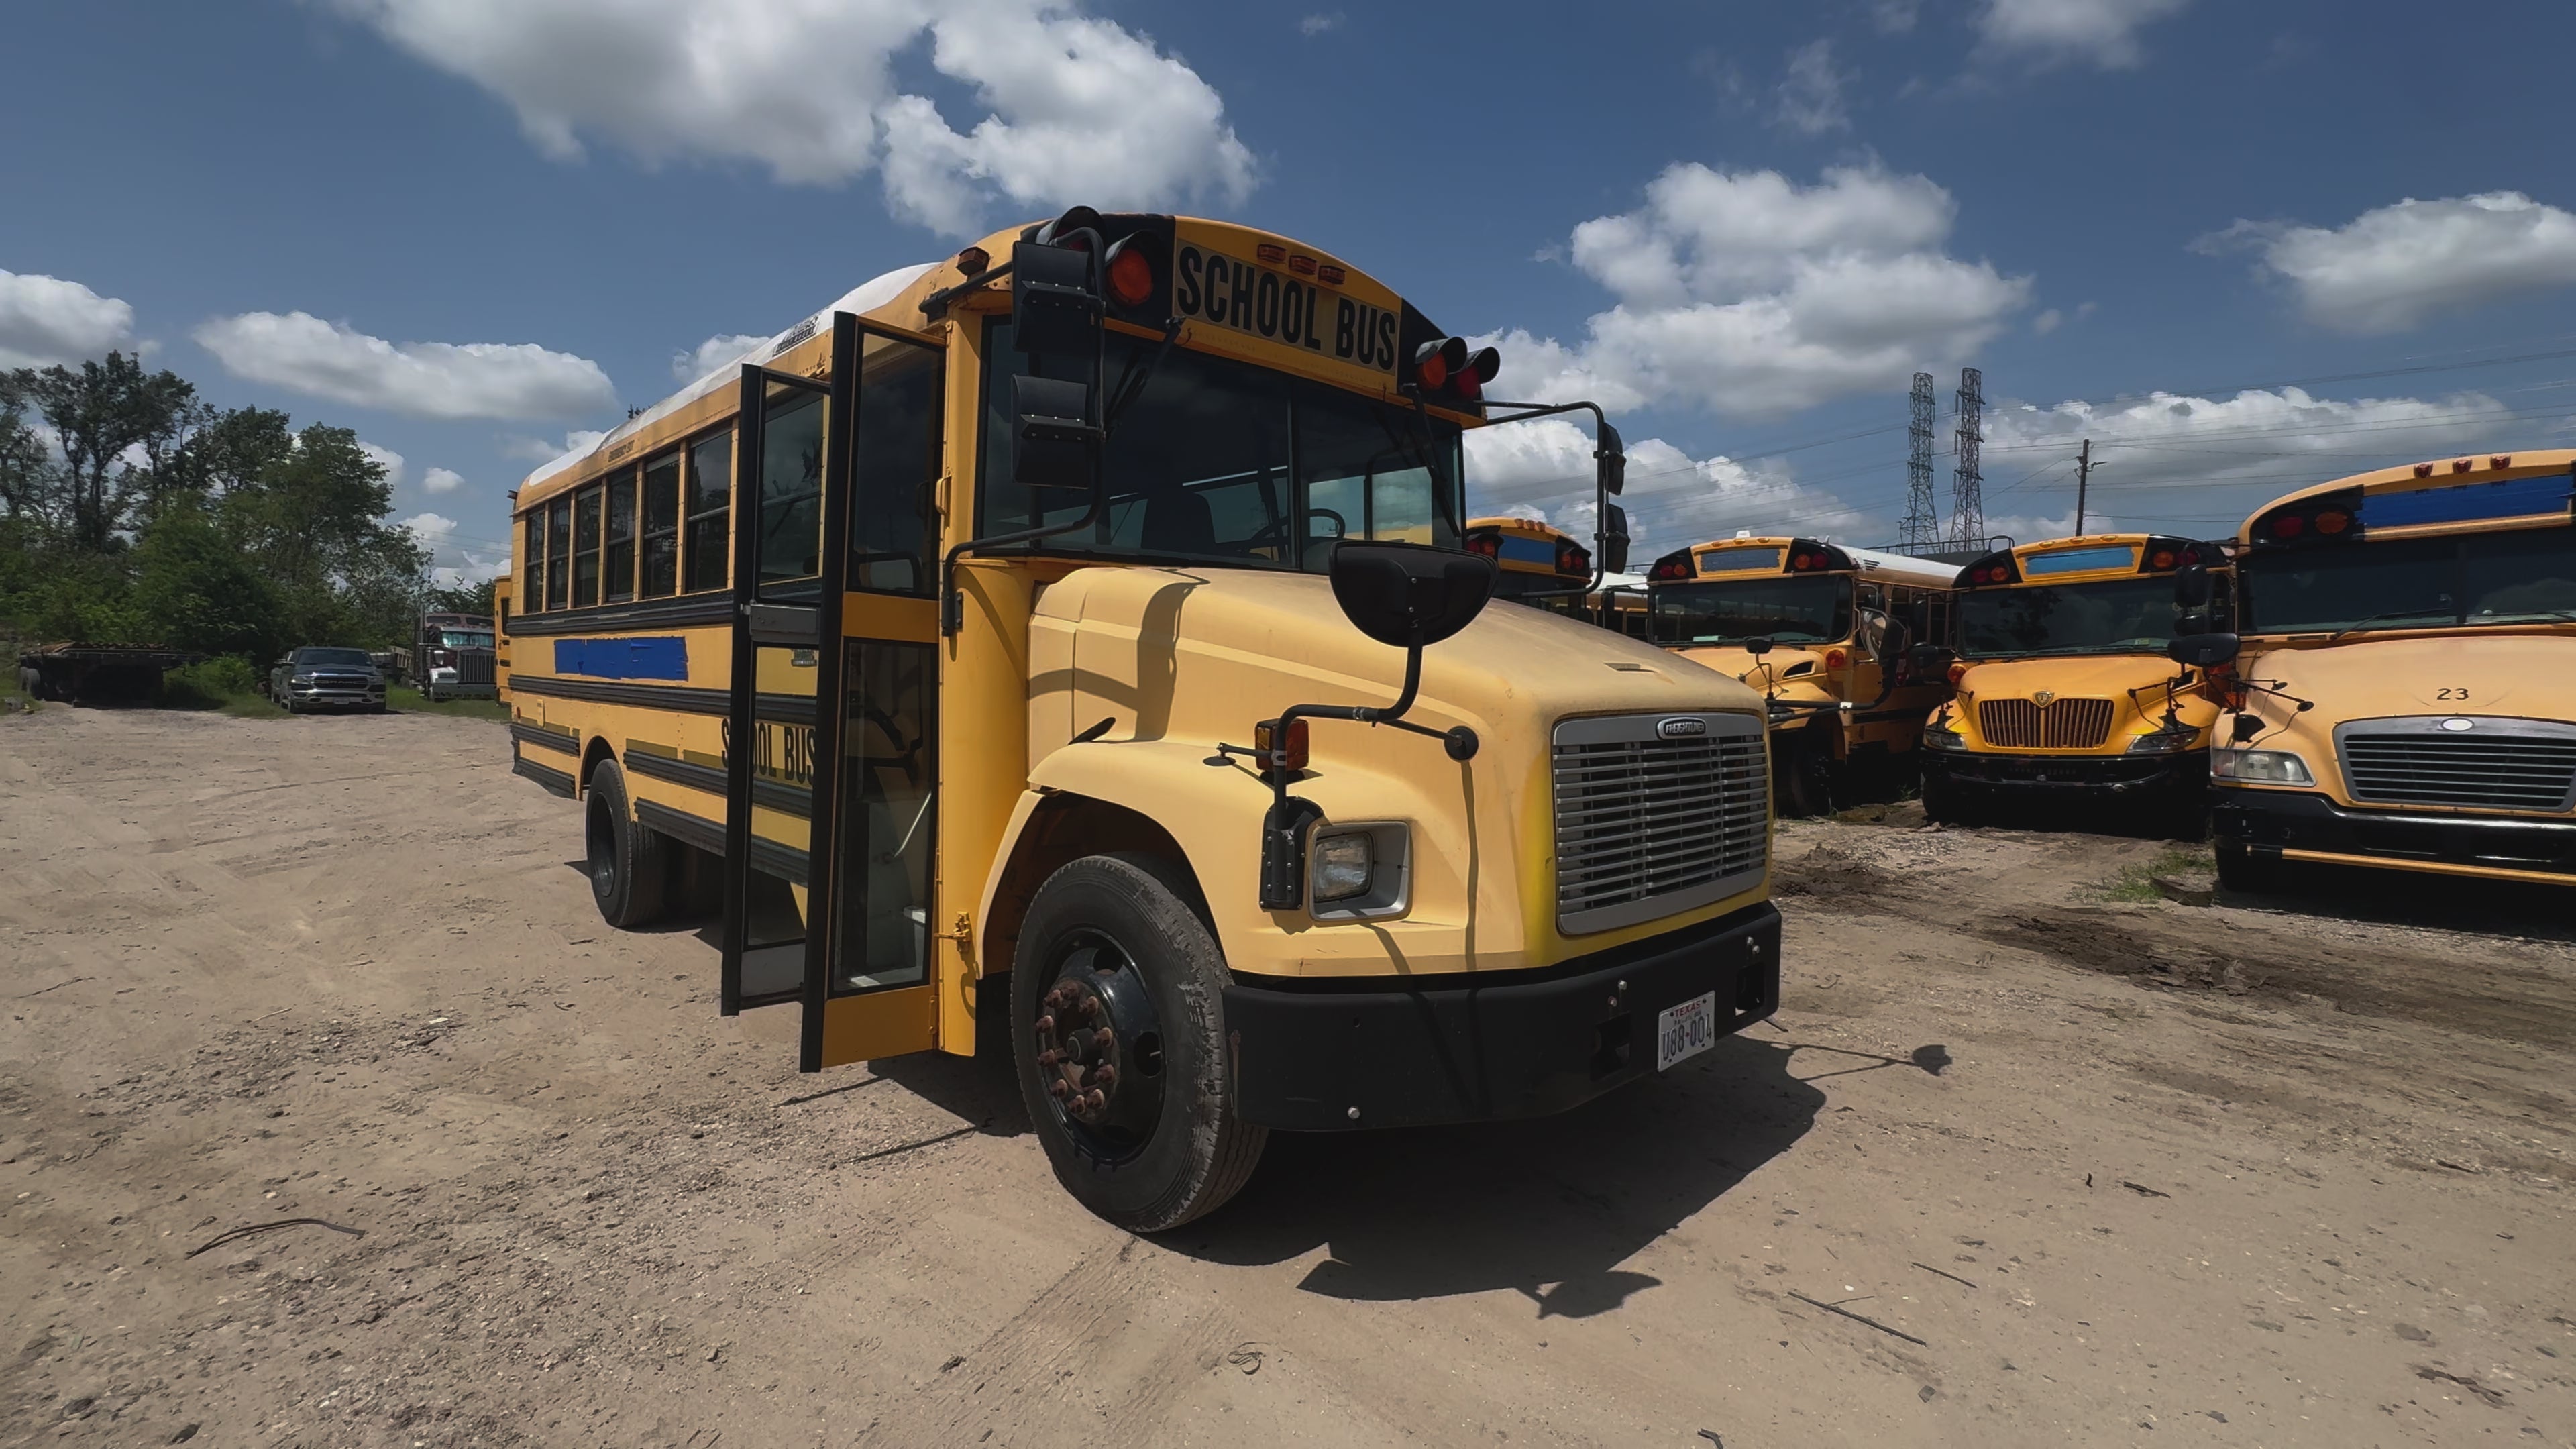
(2116, 616)
(2423, 583)
(1812, 610)
(1218, 462)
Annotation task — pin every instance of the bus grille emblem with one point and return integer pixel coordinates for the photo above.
(2041, 697)
(1676, 729)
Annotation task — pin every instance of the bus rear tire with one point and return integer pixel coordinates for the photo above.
(1112, 938)
(1806, 776)
(627, 864)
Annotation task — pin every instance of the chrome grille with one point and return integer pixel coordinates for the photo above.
(1651, 819)
(2065, 724)
(2494, 764)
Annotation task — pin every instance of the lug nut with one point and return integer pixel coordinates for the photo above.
(1090, 1007)
(1048, 1058)
(1058, 1090)
(1094, 1100)
(1105, 1038)
(1104, 1076)
(1046, 1024)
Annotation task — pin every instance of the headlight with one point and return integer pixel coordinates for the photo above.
(2161, 742)
(301, 679)
(1942, 737)
(1343, 865)
(2260, 767)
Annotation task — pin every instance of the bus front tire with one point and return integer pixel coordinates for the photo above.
(627, 863)
(1945, 801)
(1112, 939)
(2241, 870)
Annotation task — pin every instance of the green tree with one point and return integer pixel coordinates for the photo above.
(195, 589)
(462, 599)
(115, 427)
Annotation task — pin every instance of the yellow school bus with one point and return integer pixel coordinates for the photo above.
(1831, 637)
(1545, 567)
(2401, 689)
(1089, 611)
(2065, 691)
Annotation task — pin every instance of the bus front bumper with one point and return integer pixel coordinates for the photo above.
(2306, 826)
(2068, 774)
(1335, 1056)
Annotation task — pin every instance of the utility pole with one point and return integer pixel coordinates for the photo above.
(1967, 504)
(2083, 475)
(1922, 526)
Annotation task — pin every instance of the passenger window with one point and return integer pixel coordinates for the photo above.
(621, 537)
(710, 545)
(558, 552)
(533, 551)
(661, 563)
(585, 548)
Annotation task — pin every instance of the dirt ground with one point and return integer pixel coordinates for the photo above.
(2276, 1172)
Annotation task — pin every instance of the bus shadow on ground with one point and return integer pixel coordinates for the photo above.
(2512, 910)
(1549, 1208)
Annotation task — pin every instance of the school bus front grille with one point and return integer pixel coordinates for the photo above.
(2466, 769)
(2063, 724)
(1656, 814)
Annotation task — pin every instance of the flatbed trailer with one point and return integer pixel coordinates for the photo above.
(97, 673)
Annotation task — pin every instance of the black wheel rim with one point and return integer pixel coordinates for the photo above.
(1099, 1047)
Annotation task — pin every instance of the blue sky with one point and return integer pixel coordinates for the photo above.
(472, 228)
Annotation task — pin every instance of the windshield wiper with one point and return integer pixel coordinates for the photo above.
(2384, 618)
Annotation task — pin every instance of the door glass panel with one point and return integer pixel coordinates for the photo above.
(895, 470)
(782, 783)
(791, 488)
(883, 897)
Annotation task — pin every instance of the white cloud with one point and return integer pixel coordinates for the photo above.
(1748, 294)
(1314, 25)
(1544, 469)
(538, 450)
(1074, 108)
(2389, 269)
(1810, 97)
(2197, 458)
(2046, 322)
(305, 354)
(1895, 17)
(387, 459)
(46, 320)
(441, 480)
(2050, 32)
(455, 560)
(715, 352)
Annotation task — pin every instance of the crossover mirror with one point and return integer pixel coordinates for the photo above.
(1055, 301)
(1757, 646)
(1614, 540)
(1610, 457)
(2191, 587)
(1053, 440)
(2202, 651)
(1409, 595)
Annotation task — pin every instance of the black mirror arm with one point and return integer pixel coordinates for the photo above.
(1600, 495)
(1132, 387)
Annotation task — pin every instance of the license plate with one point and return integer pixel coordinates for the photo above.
(1685, 1030)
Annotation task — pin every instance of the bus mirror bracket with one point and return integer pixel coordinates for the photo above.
(1408, 595)
(1609, 476)
(2202, 651)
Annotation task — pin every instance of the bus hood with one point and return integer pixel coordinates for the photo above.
(2523, 675)
(1203, 655)
(1788, 666)
(2135, 684)
(1137, 674)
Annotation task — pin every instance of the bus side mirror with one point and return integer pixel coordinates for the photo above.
(1053, 440)
(1614, 539)
(2191, 587)
(2192, 624)
(1890, 640)
(1929, 660)
(1757, 646)
(2202, 651)
(1610, 460)
(1055, 304)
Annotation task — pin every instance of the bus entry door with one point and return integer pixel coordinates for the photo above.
(829, 809)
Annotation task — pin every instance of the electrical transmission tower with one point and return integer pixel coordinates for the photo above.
(1967, 505)
(1922, 526)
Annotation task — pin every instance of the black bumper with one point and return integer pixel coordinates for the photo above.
(1311, 1058)
(2273, 820)
(2069, 774)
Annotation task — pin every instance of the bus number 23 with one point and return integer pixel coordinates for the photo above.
(2451, 694)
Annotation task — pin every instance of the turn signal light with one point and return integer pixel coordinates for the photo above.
(1488, 544)
(2333, 521)
(2288, 525)
(2163, 559)
(1278, 754)
(1434, 363)
(1957, 673)
(1571, 558)
(1837, 658)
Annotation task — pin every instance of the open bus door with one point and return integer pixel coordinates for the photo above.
(829, 799)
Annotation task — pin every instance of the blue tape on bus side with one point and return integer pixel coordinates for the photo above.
(651, 658)
(2468, 502)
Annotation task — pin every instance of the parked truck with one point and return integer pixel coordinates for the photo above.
(450, 657)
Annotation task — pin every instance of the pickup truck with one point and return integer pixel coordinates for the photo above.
(315, 677)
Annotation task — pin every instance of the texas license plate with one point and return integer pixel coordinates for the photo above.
(1685, 1030)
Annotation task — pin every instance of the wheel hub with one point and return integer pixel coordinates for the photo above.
(1099, 1048)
